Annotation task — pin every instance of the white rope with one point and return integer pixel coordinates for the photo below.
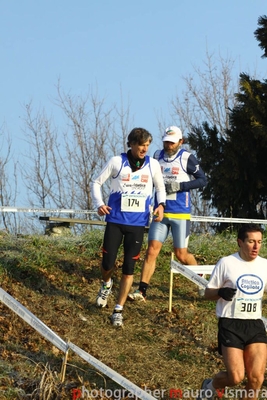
(45, 210)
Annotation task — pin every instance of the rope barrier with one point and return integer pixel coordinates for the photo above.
(194, 218)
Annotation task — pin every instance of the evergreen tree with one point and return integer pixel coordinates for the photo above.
(248, 139)
(261, 34)
(236, 162)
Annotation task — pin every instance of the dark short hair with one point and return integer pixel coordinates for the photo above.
(246, 228)
(139, 136)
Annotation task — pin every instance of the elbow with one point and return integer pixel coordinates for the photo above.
(204, 181)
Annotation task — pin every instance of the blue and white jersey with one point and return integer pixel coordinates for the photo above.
(180, 168)
(250, 280)
(131, 193)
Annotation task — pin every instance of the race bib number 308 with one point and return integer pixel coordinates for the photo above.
(247, 308)
(133, 202)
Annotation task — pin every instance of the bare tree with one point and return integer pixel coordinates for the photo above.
(8, 182)
(209, 95)
(63, 161)
(87, 139)
(41, 164)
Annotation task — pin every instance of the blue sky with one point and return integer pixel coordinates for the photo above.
(142, 47)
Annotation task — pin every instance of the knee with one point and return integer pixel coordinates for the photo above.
(127, 277)
(107, 262)
(255, 381)
(235, 378)
(128, 269)
(152, 253)
(106, 266)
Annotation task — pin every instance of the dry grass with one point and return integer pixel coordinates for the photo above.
(58, 279)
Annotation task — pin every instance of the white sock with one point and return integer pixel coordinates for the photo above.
(107, 284)
(118, 307)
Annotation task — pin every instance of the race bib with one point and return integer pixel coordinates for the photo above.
(171, 196)
(246, 308)
(133, 202)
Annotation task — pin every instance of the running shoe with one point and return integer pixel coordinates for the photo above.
(116, 318)
(102, 296)
(137, 295)
(204, 393)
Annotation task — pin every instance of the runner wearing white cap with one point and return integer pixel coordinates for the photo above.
(178, 167)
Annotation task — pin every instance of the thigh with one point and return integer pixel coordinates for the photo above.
(133, 240)
(159, 230)
(180, 232)
(255, 359)
(233, 359)
(112, 240)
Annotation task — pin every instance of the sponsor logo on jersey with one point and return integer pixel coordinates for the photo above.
(167, 170)
(249, 284)
(125, 177)
(144, 178)
(133, 187)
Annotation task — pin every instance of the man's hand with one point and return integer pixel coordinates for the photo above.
(158, 214)
(172, 187)
(227, 293)
(103, 210)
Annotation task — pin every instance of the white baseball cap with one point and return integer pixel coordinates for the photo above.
(172, 134)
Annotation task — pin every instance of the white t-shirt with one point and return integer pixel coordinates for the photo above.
(250, 280)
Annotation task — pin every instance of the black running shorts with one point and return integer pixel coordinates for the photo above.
(239, 333)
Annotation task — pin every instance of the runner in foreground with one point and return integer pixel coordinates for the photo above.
(237, 283)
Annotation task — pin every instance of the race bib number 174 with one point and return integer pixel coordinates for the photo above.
(133, 202)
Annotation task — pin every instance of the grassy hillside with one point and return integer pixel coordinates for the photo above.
(57, 279)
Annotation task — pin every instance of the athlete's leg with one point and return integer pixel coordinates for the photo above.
(157, 235)
(235, 368)
(185, 257)
(158, 232)
(149, 264)
(255, 365)
(125, 287)
(112, 241)
(180, 232)
(133, 239)
(237, 361)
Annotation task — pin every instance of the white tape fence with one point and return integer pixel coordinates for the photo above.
(52, 337)
(73, 211)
